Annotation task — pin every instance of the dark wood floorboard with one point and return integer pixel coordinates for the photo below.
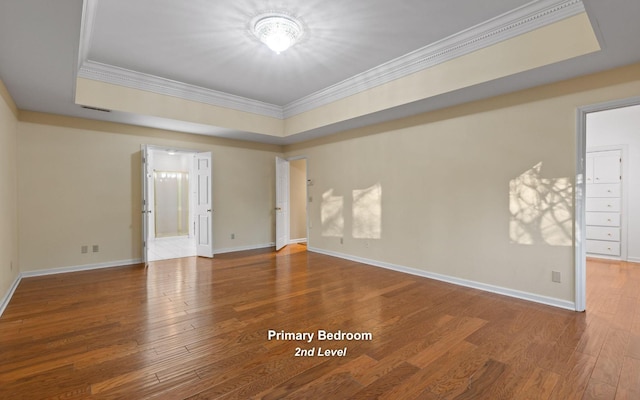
(196, 328)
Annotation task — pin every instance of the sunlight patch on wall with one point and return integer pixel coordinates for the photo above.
(331, 214)
(541, 209)
(367, 213)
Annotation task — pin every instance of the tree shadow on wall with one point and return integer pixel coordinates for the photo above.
(540, 209)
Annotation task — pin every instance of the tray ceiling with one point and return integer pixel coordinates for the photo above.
(204, 51)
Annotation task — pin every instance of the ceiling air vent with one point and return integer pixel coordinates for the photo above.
(96, 109)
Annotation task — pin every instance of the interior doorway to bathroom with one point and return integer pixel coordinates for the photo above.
(177, 186)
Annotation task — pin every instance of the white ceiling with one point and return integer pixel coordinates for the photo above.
(207, 44)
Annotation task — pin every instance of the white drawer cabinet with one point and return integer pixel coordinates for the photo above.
(606, 204)
(603, 203)
(604, 190)
(603, 219)
(603, 233)
(603, 247)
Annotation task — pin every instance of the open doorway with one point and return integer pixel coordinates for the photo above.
(177, 206)
(171, 198)
(291, 202)
(607, 187)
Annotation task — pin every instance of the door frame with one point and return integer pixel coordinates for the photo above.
(580, 255)
(306, 203)
(287, 219)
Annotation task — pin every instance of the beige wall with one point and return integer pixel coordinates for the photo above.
(480, 192)
(8, 192)
(80, 184)
(298, 199)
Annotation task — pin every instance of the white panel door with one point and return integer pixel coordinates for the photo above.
(204, 210)
(146, 201)
(606, 166)
(282, 202)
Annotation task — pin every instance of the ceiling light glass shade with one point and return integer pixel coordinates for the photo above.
(278, 31)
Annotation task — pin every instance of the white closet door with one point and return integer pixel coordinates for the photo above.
(606, 167)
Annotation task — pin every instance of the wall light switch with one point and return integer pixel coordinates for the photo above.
(555, 276)
(84, 249)
(96, 248)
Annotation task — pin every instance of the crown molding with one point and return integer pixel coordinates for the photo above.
(516, 22)
(529, 17)
(151, 83)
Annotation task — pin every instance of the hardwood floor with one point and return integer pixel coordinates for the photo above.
(199, 329)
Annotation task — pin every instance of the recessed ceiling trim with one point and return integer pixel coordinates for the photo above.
(86, 30)
(524, 19)
(154, 84)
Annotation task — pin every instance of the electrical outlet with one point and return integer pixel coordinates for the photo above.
(367, 244)
(96, 248)
(341, 240)
(233, 236)
(555, 276)
(11, 266)
(84, 249)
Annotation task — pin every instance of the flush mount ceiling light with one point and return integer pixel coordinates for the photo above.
(277, 30)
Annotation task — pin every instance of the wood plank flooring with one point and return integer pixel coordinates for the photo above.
(194, 328)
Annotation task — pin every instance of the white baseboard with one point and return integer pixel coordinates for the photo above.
(78, 268)
(633, 259)
(53, 271)
(243, 248)
(568, 305)
(296, 241)
(7, 297)
(444, 278)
